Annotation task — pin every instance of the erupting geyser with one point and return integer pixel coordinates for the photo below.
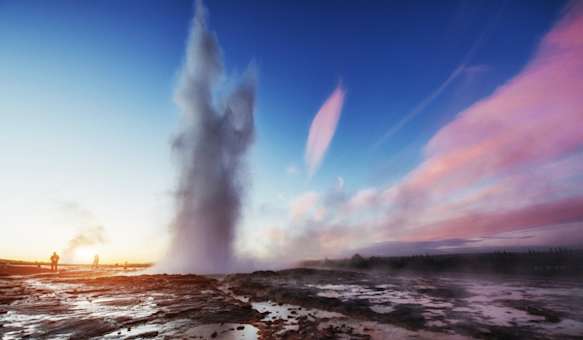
(210, 148)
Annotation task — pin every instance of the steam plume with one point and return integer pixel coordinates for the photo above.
(210, 149)
(87, 237)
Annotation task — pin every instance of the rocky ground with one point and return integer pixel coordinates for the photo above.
(289, 304)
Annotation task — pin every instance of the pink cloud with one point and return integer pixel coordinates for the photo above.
(506, 162)
(362, 199)
(323, 128)
(304, 205)
(534, 119)
(552, 181)
(486, 224)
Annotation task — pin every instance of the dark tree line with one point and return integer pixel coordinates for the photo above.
(555, 261)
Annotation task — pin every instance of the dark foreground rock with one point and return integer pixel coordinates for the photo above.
(290, 304)
(476, 307)
(77, 306)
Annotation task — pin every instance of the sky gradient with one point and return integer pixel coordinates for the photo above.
(382, 127)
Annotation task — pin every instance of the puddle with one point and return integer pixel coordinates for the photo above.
(226, 331)
(382, 309)
(27, 324)
(286, 311)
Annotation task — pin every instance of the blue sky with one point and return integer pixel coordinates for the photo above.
(87, 105)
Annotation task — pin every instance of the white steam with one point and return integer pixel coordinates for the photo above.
(89, 236)
(210, 148)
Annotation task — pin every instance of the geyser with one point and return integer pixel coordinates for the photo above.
(216, 133)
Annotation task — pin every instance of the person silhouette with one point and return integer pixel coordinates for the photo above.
(95, 262)
(54, 262)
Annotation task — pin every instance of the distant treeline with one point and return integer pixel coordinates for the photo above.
(555, 261)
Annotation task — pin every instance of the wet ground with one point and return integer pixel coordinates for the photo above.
(290, 304)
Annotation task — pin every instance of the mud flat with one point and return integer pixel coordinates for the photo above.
(289, 304)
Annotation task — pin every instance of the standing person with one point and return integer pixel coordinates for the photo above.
(54, 262)
(95, 262)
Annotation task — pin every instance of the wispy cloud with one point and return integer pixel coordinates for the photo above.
(420, 107)
(303, 205)
(339, 183)
(509, 163)
(464, 67)
(322, 129)
(292, 170)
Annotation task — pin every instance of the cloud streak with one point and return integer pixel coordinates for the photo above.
(420, 107)
(456, 73)
(322, 129)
